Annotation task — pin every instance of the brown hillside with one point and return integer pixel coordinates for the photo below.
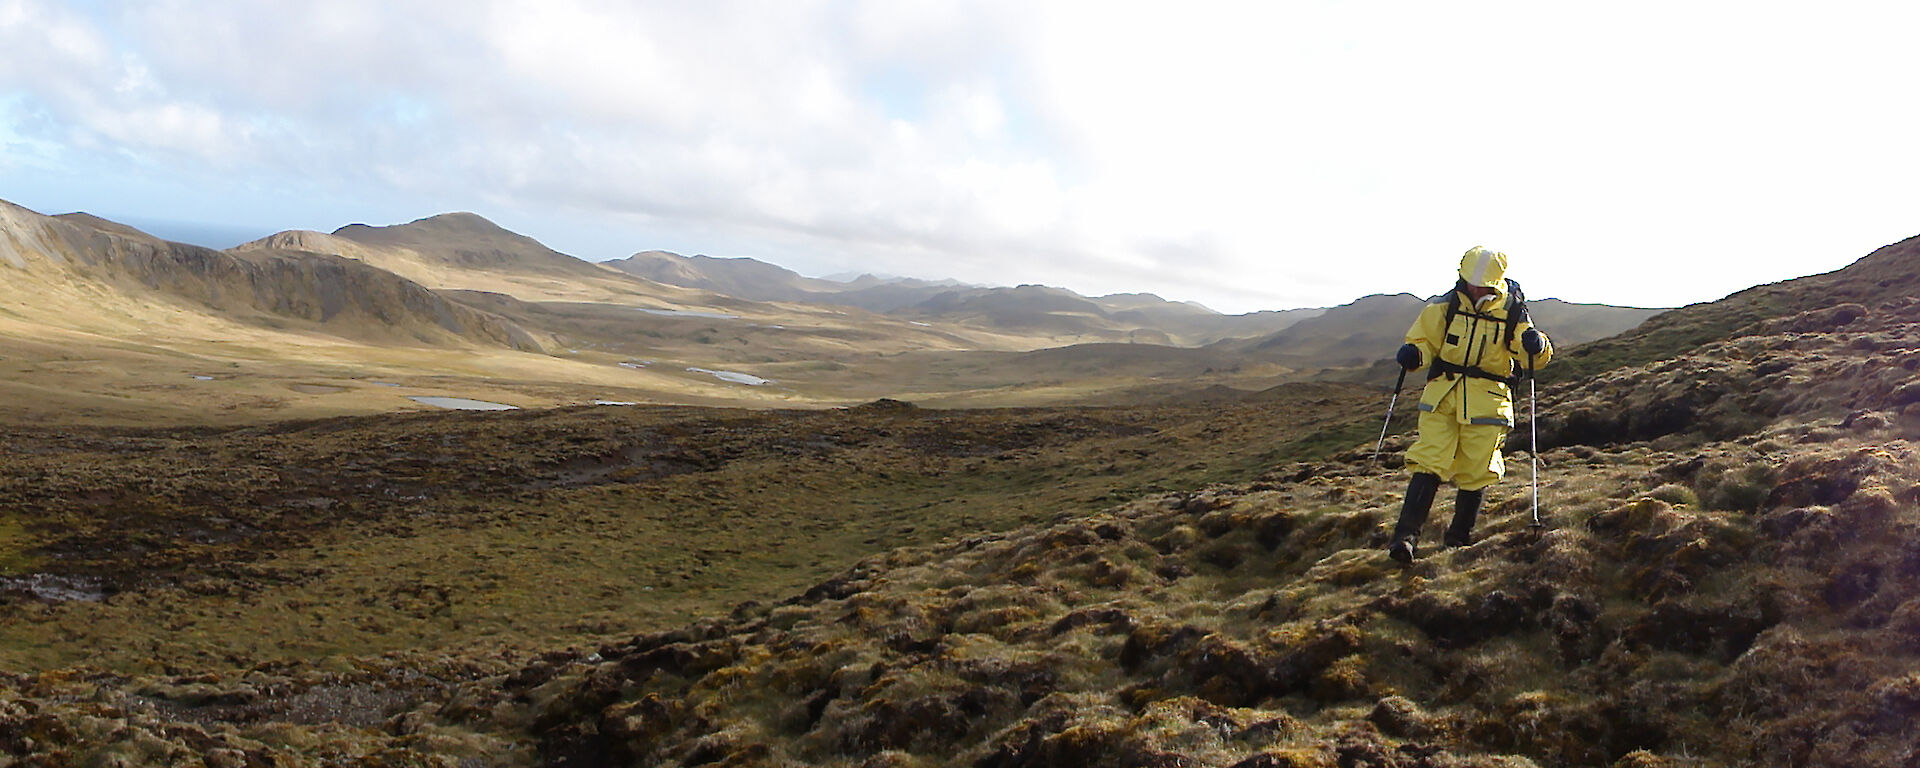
(464, 251)
(1357, 333)
(1366, 332)
(468, 240)
(75, 273)
(739, 277)
(1574, 324)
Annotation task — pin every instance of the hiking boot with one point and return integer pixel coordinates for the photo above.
(1413, 515)
(1466, 507)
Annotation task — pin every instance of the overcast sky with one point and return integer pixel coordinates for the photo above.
(1259, 155)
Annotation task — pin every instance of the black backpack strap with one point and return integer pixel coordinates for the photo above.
(1453, 305)
(1516, 308)
(1442, 368)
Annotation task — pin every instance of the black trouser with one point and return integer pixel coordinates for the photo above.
(1466, 507)
(1419, 501)
(1413, 510)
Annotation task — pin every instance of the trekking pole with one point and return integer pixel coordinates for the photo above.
(1397, 384)
(1533, 441)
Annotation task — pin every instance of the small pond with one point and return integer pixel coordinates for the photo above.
(690, 313)
(56, 589)
(734, 376)
(462, 404)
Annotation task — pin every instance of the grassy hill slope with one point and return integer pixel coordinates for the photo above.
(463, 251)
(84, 273)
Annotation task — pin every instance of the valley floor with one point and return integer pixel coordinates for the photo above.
(201, 548)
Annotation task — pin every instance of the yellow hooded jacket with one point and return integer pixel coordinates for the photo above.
(1476, 339)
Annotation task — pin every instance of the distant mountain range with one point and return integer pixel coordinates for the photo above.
(648, 326)
(1131, 317)
(1354, 334)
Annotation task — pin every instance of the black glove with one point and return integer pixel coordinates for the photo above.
(1408, 357)
(1533, 342)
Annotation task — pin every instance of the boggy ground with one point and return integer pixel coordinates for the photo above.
(1738, 592)
(198, 549)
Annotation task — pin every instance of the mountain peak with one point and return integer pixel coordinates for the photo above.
(456, 219)
(438, 225)
(469, 240)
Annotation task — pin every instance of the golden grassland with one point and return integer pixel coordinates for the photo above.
(155, 363)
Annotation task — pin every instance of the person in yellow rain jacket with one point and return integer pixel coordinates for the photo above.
(1475, 343)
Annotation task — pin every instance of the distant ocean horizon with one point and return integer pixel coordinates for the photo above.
(216, 236)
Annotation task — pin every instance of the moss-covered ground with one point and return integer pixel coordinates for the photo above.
(462, 531)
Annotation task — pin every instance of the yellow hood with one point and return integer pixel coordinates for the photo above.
(1485, 268)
